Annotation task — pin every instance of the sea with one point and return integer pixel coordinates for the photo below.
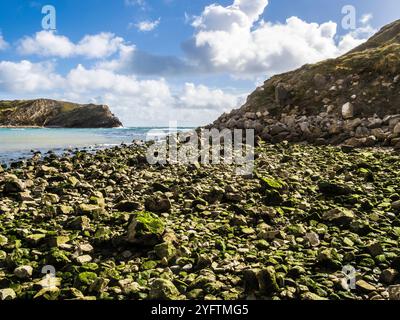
(21, 143)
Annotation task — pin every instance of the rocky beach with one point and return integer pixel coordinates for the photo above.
(316, 219)
(115, 227)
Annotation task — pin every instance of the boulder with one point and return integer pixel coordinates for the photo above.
(13, 185)
(145, 228)
(163, 289)
(158, 203)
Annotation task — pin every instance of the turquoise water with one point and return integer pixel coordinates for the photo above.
(18, 143)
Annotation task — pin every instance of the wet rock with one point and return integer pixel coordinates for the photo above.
(267, 280)
(80, 223)
(388, 276)
(339, 216)
(329, 257)
(163, 289)
(13, 185)
(312, 296)
(364, 286)
(7, 294)
(394, 292)
(165, 250)
(251, 280)
(84, 259)
(145, 228)
(23, 272)
(333, 189)
(158, 203)
(313, 239)
(3, 240)
(91, 210)
(375, 249)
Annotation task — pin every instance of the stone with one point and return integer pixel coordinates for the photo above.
(328, 257)
(388, 276)
(395, 206)
(3, 240)
(145, 227)
(80, 223)
(394, 292)
(73, 181)
(251, 280)
(163, 289)
(158, 203)
(375, 249)
(84, 259)
(348, 110)
(23, 272)
(396, 129)
(333, 188)
(362, 132)
(85, 248)
(267, 280)
(13, 185)
(312, 296)
(35, 239)
(91, 210)
(58, 241)
(99, 285)
(7, 294)
(313, 239)
(63, 209)
(339, 216)
(165, 250)
(364, 286)
(379, 133)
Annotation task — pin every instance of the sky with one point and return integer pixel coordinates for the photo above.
(156, 61)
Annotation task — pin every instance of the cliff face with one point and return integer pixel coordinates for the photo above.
(355, 96)
(51, 113)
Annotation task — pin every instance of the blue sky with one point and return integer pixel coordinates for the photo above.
(154, 61)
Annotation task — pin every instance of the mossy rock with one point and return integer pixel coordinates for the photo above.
(145, 228)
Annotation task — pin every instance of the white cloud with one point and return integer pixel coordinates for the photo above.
(234, 39)
(366, 18)
(27, 77)
(202, 97)
(3, 43)
(147, 25)
(49, 44)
